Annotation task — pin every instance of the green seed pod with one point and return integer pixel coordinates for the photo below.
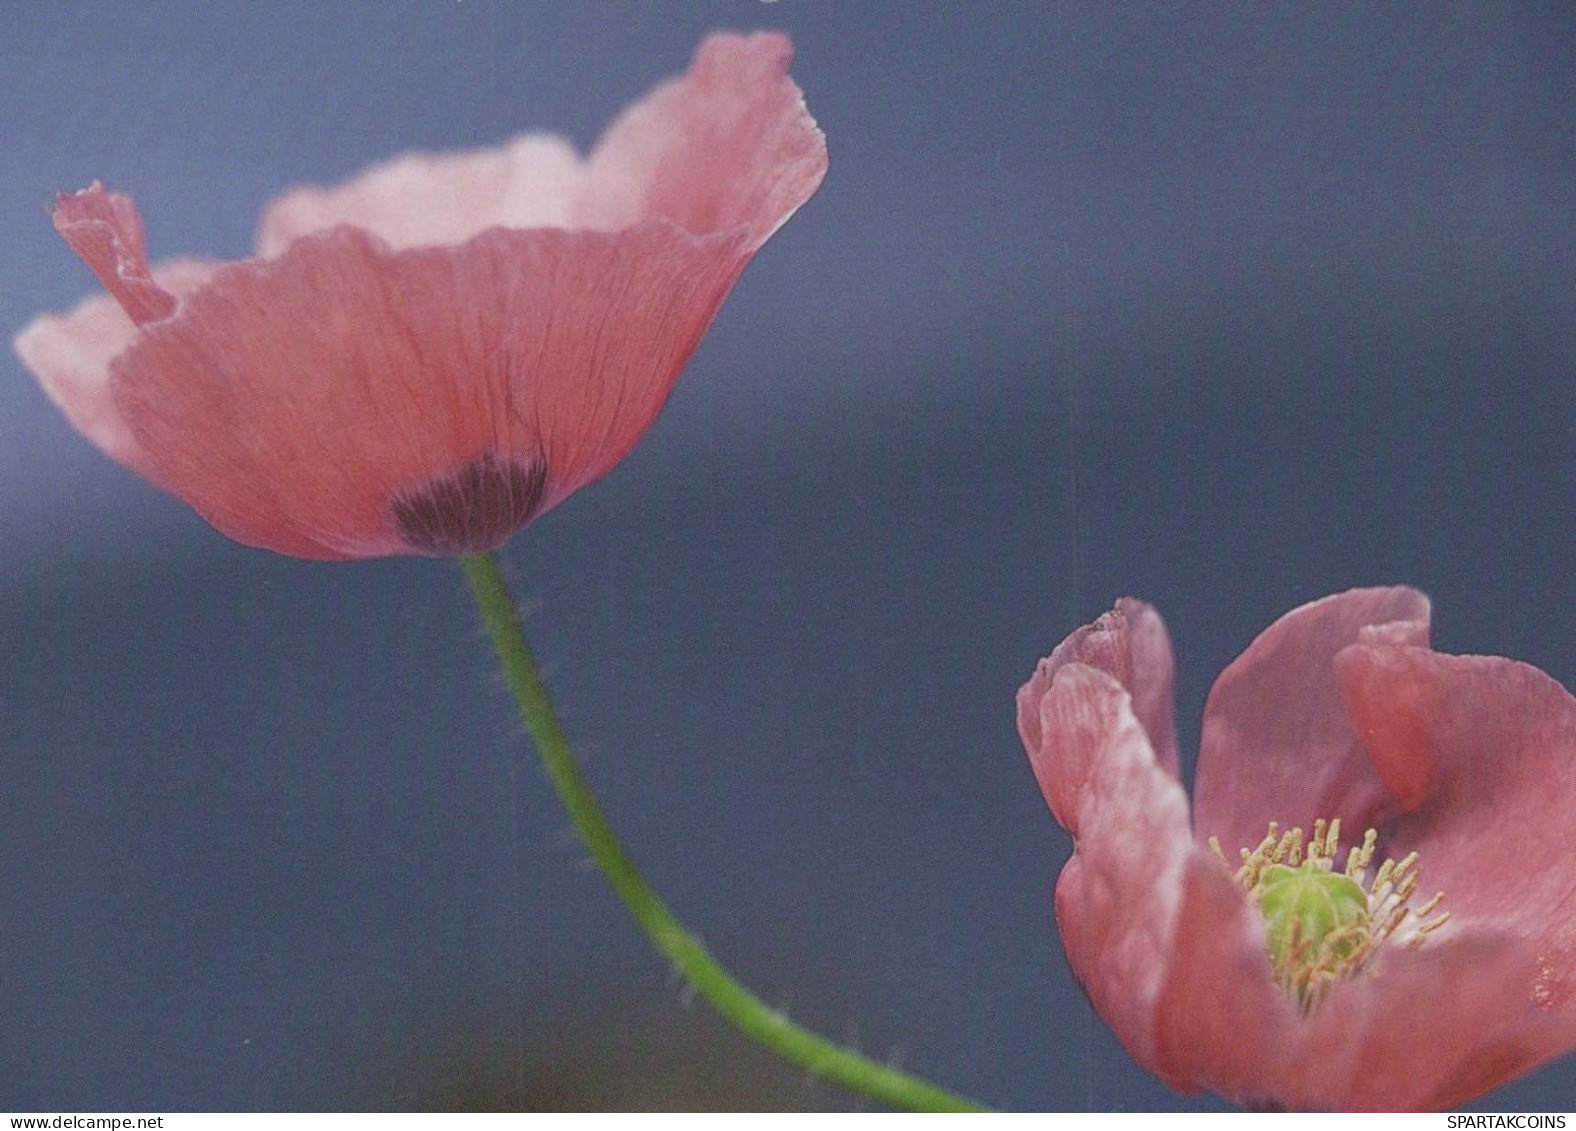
(1317, 920)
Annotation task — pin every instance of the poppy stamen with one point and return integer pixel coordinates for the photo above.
(1323, 925)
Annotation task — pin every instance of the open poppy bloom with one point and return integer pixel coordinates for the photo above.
(1415, 955)
(427, 358)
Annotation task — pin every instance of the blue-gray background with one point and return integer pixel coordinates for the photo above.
(1228, 307)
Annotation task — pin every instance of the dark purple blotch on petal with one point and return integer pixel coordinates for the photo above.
(472, 510)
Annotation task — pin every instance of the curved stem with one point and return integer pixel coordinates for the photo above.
(731, 999)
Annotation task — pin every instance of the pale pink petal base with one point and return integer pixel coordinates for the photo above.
(728, 145)
(432, 199)
(70, 354)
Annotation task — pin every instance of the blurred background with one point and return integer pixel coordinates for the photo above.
(1226, 306)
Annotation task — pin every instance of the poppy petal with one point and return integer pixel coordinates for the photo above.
(1496, 741)
(70, 354)
(1426, 1028)
(1221, 1020)
(1117, 898)
(106, 230)
(1276, 744)
(294, 401)
(421, 199)
(730, 144)
(1131, 645)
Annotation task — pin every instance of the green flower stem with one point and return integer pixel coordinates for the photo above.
(749, 1013)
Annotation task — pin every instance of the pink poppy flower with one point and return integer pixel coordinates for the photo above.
(427, 358)
(1355, 993)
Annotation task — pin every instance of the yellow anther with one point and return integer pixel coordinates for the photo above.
(1361, 855)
